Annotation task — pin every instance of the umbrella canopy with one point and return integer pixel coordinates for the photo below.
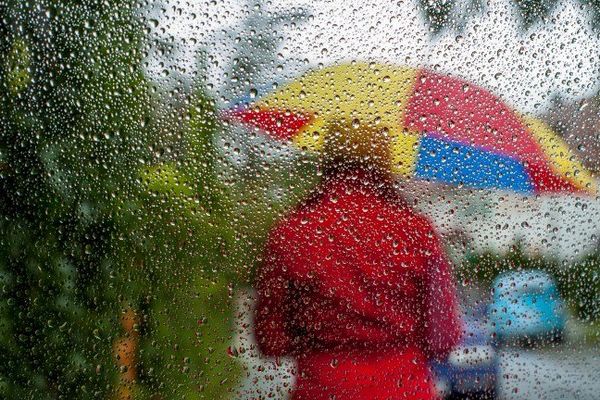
(440, 128)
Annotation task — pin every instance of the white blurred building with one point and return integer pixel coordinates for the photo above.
(565, 227)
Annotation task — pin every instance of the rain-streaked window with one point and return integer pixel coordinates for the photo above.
(299, 200)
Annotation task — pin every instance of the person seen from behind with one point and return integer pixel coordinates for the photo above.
(355, 284)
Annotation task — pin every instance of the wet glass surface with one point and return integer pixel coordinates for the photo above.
(283, 199)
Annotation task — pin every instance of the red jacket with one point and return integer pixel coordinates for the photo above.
(356, 286)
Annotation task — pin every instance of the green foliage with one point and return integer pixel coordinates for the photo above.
(174, 241)
(17, 64)
(190, 348)
(92, 223)
(69, 135)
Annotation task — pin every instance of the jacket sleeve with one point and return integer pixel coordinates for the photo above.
(443, 326)
(270, 319)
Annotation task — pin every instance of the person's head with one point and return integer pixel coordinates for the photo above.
(356, 146)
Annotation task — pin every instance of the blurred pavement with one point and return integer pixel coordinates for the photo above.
(563, 372)
(570, 371)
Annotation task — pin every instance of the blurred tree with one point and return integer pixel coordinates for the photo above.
(442, 14)
(176, 237)
(73, 103)
(437, 13)
(254, 59)
(111, 256)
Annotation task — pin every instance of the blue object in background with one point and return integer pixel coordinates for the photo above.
(526, 304)
(471, 369)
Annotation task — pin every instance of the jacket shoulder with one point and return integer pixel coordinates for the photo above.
(419, 225)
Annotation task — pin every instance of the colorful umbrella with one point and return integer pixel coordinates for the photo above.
(440, 128)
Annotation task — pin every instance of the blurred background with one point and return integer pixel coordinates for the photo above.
(132, 218)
